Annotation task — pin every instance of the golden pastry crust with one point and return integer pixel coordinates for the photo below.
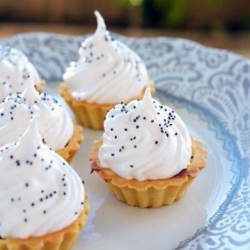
(61, 240)
(40, 86)
(92, 114)
(73, 145)
(151, 193)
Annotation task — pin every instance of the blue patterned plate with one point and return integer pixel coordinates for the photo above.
(210, 89)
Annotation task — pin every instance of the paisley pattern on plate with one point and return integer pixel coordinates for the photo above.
(216, 80)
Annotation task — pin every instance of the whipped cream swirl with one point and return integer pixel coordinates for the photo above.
(39, 192)
(15, 71)
(144, 140)
(107, 71)
(16, 111)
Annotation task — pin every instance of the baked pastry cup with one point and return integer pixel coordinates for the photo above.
(151, 193)
(61, 240)
(71, 148)
(40, 86)
(92, 114)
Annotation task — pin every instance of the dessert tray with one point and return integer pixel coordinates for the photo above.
(210, 90)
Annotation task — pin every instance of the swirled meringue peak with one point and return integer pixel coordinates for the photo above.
(144, 140)
(16, 111)
(107, 70)
(39, 192)
(15, 71)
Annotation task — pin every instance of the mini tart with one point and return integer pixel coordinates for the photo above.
(40, 86)
(151, 193)
(68, 152)
(61, 240)
(92, 114)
